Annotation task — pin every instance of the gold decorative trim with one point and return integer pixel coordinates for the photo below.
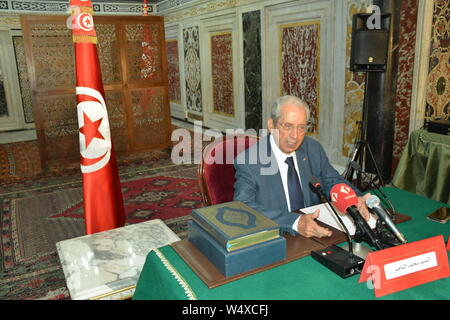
(230, 115)
(187, 289)
(195, 116)
(114, 292)
(84, 39)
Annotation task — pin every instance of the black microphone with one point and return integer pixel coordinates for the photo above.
(345, 200)
(373, 202)
(317, 187)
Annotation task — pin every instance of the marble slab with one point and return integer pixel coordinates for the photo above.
(106, 265)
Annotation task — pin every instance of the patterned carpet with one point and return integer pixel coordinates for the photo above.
(37, 210)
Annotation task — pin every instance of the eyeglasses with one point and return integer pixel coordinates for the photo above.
(290, 127)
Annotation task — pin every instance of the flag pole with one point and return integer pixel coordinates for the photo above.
(102, 194)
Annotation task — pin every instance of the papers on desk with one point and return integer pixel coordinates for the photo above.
(327, 216)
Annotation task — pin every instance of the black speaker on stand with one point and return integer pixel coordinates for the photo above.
(369, 53)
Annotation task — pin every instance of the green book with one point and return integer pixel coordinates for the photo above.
(234, 225)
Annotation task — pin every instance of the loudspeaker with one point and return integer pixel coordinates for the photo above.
(370, 41)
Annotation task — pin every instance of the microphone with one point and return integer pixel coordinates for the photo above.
(340, 261)
(357, 167)
(317, 187)
(373, 202)
(345, 200)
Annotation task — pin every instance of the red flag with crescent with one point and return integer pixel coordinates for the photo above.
(103, 202)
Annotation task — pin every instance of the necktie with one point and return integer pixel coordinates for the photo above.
(294, 187)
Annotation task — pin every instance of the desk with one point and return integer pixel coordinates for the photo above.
(106, 265)
(166, 276)
(424, 166)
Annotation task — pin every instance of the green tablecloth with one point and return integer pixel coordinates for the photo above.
(424, 166)
(166, 276)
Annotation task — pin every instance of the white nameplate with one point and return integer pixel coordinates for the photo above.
(406, 266)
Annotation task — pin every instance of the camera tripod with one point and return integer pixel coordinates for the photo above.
(359, 155)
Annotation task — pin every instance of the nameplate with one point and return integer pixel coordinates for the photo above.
(406, 266)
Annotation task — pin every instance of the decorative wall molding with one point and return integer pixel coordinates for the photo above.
(212, 115)
(194, 8)
(14, 118)
(10, 21)
(61, 7)
(170, 4)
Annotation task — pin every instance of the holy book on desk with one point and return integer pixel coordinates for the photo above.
(234, 225)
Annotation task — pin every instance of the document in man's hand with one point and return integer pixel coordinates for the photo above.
(328, 217)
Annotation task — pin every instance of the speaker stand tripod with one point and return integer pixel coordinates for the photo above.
(359, 155)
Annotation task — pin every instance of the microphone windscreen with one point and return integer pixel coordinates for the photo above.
(342, 197)
(373, 201)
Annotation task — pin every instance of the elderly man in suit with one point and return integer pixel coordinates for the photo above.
(296, 158)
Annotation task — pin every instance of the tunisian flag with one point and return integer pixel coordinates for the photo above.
(103, 202)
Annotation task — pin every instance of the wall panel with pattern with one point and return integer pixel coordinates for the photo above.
(132, 56)
(438, 90)
(192, 69)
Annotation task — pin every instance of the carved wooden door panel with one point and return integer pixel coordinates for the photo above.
(134, 71)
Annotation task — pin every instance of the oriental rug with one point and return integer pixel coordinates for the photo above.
(35, 215)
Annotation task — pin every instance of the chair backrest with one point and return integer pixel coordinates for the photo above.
(216, 171)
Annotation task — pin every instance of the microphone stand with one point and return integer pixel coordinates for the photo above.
(363, 230)
(354, 165)
(387, 238)
(319, 190)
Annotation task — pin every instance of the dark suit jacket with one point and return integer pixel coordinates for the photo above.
(258, 181)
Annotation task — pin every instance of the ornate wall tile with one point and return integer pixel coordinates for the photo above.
(300, 74)
(406, 55)
(125, 8)
(60, 6)
(192, 69)
(4, 5)
(23, 79)
(173, 70)
(222, 73)
(438, 91)
(39, 6)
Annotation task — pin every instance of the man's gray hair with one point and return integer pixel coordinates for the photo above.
(279, 102)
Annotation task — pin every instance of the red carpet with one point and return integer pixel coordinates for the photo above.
(159, 197)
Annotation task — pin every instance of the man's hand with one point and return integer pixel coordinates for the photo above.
(362, 207)
(308, 228)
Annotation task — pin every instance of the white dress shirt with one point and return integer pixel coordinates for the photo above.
(281, 157)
